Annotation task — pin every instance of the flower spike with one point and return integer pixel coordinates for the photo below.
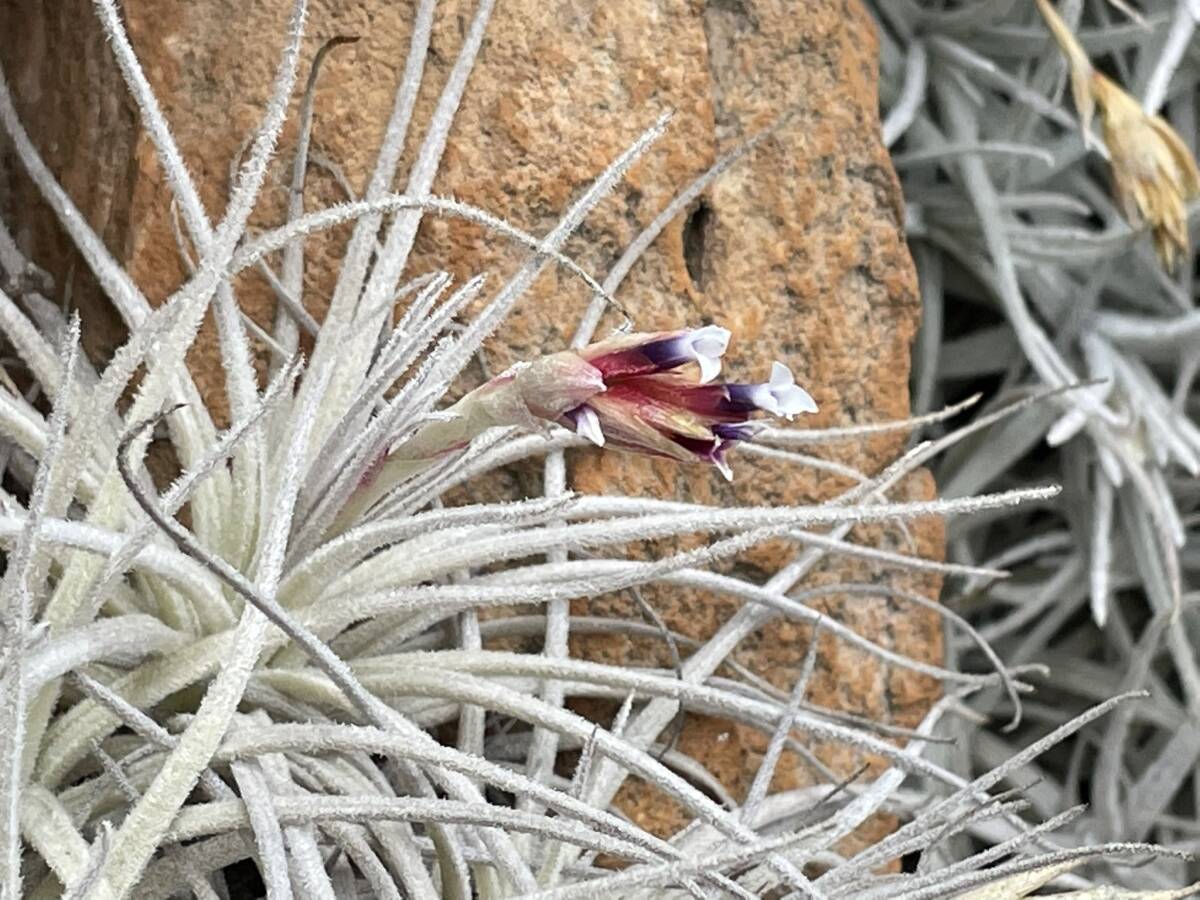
(653, 394)
(650, 405)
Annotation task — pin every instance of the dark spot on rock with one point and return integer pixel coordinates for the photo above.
(736, 9)
(695, 233)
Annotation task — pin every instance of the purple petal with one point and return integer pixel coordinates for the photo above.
(742, 398)
(739, 431)
(703, 346)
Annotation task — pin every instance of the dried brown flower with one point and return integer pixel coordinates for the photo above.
(1154, 174)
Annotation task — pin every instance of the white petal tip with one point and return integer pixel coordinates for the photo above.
(587, 424)
(723, 468)
(781, 396)
(714, 337)
(710, 368)
(804, 401)
(707, 345)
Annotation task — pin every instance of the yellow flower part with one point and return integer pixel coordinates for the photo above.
(1154, 174)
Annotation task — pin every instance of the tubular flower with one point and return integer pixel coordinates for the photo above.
(651, 405)
(646, 393)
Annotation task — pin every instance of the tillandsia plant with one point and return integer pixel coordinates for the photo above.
(1033, 278)
(256, 686)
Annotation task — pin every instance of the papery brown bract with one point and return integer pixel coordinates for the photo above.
(1153, 172)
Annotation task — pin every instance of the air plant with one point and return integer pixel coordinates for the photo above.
(1032, 279)
(259, 680)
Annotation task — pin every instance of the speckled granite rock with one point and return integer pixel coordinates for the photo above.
(797, 249)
